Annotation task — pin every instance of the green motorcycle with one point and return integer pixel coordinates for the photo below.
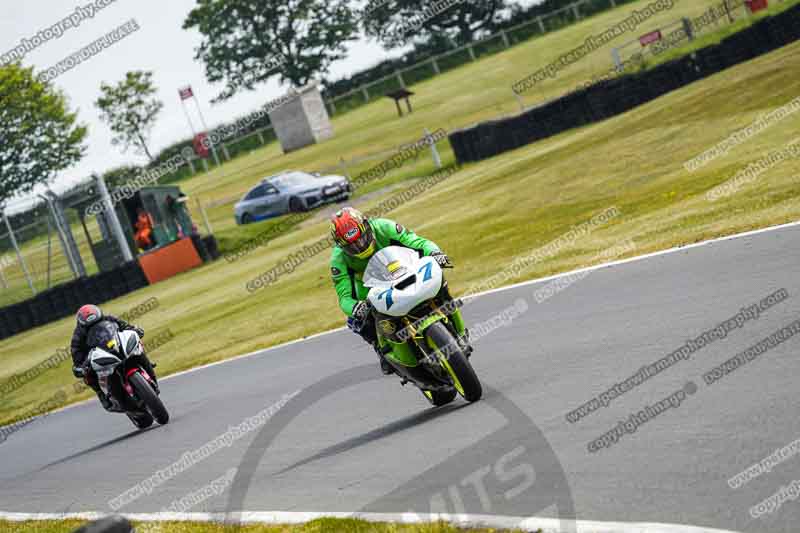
(420, 329)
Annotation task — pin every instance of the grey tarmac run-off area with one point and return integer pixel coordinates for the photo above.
(365, 446)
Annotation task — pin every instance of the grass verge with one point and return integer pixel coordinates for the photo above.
(474, 92)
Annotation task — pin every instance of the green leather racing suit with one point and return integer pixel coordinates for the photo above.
(348, 272)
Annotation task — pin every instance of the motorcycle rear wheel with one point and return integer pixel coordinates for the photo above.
(457, 366)
(151, 400)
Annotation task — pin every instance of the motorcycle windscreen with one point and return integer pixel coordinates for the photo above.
(101, 334)
(389, 265)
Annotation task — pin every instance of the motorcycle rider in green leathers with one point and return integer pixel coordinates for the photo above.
(357, 238)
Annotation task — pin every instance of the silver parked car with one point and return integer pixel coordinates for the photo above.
(290, 191)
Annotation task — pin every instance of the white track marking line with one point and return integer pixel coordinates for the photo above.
(491, 291)
(547, 525)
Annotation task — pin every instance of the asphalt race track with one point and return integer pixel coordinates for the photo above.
(368, 443)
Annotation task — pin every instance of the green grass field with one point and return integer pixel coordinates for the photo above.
(486, 214)
(324, 525)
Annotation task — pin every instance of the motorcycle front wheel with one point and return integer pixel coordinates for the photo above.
(452, 359)
(151, 400)
(142, 421)
(440, 398)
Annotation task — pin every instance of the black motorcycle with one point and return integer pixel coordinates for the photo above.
(118, 359)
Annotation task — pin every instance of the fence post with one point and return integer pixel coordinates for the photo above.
(111, 216)
(505, 38)
(613, 4)
(261, 135)
(65, 235)
(617, 59)
(203, 214)
(576, 12)
(471, 52)
(687, 27)
(437, 160)
(400, 79)
(205, 164)
(519, 100)
(343, 165)
(2, 273)
(435, 66)
(541, 24)
(19, 254)
(49, 252)
(365, 93)
(332, 106)
(225, 152)
(191, 166)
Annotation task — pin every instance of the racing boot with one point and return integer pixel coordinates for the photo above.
(386, 368)
(107, 405)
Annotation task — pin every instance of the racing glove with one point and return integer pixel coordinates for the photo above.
(442, 259)
(360, 310)
(139, 331)
(84, 370)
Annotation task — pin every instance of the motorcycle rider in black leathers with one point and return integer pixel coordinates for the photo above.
(88, 316)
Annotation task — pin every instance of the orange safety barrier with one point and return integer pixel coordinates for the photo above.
(170, 260)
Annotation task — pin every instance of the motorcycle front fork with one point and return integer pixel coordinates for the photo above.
(455, 321)
(458, 322)
(446, 300)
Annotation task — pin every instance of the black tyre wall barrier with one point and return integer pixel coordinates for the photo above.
(613, 97)
(200, 246)
(64, 300)
(211, 245)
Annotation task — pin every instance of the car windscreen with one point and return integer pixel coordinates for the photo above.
(257, 192)
(292, 180)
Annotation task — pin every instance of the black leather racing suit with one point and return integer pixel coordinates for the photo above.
(80, 351)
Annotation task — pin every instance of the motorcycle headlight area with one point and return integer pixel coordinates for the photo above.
(132, 344)
(103, 362)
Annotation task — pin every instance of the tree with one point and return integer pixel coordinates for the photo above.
(246, 42)
(119, 176)
(396, 22)
(130, 109)
(39, 136)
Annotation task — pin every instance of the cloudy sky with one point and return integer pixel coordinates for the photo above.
(161, 46)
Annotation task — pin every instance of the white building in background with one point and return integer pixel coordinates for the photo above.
(303, 120)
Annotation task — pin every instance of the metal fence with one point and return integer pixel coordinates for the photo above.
(230, 149)
(33, 254)
(34, 257)
(491, 44)
(411, 75)
(678, 33)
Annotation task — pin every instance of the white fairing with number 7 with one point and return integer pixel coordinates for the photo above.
(399, 280)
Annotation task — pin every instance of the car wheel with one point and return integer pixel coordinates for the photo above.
(247, 218)
(296, 205)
